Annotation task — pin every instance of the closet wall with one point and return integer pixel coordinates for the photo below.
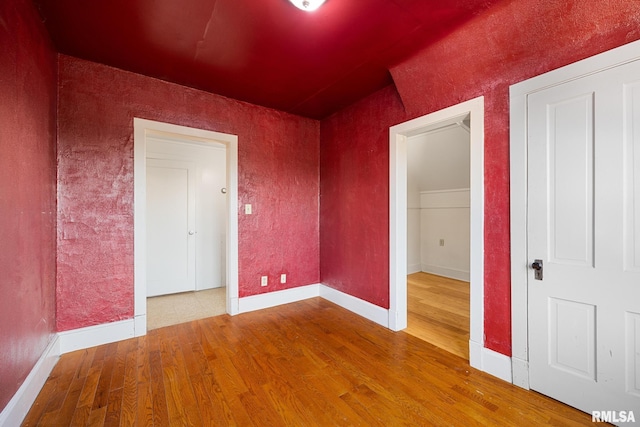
(438, 203)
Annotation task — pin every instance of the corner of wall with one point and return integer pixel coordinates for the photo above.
(18, 407)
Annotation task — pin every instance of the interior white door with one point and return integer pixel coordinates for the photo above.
(584, 227)
(170, 227)
(211, 203)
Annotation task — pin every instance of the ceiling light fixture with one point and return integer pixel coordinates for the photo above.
(307, 5)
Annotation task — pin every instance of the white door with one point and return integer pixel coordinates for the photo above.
(584, 225)
(211, 203)
(170, 227)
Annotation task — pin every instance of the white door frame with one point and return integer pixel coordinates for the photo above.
(398, 136)
(520, 270)
(142, 128)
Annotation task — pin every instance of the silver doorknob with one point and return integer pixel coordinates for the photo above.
(191, 232)
(537, 266)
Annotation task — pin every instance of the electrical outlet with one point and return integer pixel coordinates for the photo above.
(441, 242)
(283, 278)
(264, 281)
(248, 210)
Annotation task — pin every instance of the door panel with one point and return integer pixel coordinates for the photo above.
(572, 346)
(633, 353)
(570, 198)
(632, 177)
(583, 224)
(170, 220)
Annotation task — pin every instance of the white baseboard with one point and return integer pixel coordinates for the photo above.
(396, 322)
(140, 325)
(361, 307)
(414, 268)
(233, 306)
(13, 414)
(490, 361)
(451, 273)
(91, 336)
(475, 355)
(272, 299)
(520, 372)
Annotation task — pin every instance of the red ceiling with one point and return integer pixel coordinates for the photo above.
(265, 52)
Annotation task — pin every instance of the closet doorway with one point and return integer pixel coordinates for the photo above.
(438, 236)
(471, 112)
(173, 157)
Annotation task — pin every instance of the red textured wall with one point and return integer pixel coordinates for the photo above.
(354, 189)
(27, 193)
(278, 173)
(513, 41)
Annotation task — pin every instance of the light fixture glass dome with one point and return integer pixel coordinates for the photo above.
(307, 5)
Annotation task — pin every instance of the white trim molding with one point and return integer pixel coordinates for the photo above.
(106, 333)
(91, 336)
(358, 306)
(398, 136)
(13, 414)
(273, 299)
(361, 307)
(518, 95)
(141, 129)
(451, 273)
(489, 361)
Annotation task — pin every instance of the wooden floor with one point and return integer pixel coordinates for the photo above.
(309, 363)
(438, 311)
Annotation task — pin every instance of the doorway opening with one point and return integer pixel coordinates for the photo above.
(186, 236)
(146, 134)
(438, 236)
(471, 112)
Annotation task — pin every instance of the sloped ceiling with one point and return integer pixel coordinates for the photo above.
(265, 52)
(440, 159)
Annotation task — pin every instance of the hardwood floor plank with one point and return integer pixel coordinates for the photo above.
(118, 375)
(70, 402)
(438, 311)
(323, 396)
(81, 416)
(55, 390)
(114, 408)
(101, 396)
(144, 401)
(179, 394)
(206, 386)
(144, 407)
(87, 357)
(97, 417)
(309, 363)
(159, 401)
(129, 387)
(365, 346)
(229, 403)
(87, 395)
